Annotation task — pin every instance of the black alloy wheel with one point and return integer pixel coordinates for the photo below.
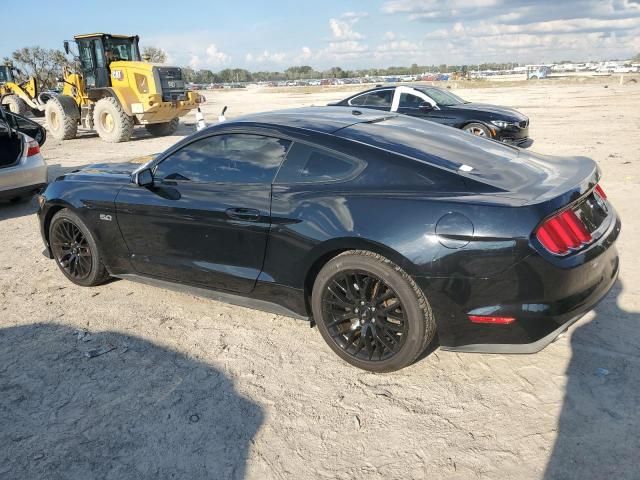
(71, 249)
(75, 250)
(370, 312)
(364, 315)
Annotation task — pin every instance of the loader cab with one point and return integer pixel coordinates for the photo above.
(97, 51)
(6, 74)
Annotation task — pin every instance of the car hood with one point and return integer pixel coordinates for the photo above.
(110, 172)
(495, 110)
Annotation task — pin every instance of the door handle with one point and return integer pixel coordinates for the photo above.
(247, 214)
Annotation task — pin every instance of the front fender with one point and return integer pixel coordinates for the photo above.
(96, 208)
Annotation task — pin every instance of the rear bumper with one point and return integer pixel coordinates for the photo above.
(545, 298)
(563, 323)
(28, 175)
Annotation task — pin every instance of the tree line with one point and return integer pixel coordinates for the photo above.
(305, 72)
(46, 66)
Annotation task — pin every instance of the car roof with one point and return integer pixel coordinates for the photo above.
(316, 119)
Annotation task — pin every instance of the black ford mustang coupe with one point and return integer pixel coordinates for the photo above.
(442, 106)
(382, 228)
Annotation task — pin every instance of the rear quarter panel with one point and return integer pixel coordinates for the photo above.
(310, 223)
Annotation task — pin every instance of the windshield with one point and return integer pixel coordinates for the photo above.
(5, 74)
(444, 98)
(121, 49)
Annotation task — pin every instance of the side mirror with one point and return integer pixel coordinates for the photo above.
(143, 178)
(426, 106)
(66, 47)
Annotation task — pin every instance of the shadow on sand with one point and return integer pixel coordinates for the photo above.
(137, 411)
(599, 427)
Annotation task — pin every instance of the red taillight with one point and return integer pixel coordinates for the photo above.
(563, 232)
(600, 192)
(32, 148)
(492, 320)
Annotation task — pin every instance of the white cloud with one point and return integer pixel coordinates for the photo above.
(354, 15)
(468, 31)
(266, 57)
(215, 57)
(195, 62)
(389, 36)
(198, 49)
(306, 53)
(343, 29)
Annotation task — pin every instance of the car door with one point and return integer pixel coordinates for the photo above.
(206, 219)
(409, 101)
(26, 126)
(443, 113)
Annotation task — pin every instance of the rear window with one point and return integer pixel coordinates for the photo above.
(360, 100)
(437, 144)
(305, 163)
(380, 98)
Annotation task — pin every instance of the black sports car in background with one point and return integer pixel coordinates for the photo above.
(442, 106)
(383, 228)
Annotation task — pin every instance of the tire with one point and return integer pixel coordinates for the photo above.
(477, 129)
(37, 113)
(61, 114)
(163, 129)
(15, 104)
(400, 335)
(111, 122)
(93, 272)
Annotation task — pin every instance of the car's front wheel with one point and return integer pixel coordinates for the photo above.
(370, 312)
(75, 251)
(477, 129)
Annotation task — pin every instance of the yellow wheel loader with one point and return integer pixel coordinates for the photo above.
(19, 97)
(113, 90)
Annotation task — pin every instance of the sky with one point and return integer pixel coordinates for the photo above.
(273, 35)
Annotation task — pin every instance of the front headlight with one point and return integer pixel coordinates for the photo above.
(502, 123)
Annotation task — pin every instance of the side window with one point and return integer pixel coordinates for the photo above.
(232, 158)
(306, 164)
(381, 98)
(97, 45)
(408, 100)
(86, 58)
(360, 100)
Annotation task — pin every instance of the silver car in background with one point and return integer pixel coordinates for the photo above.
(23, 170)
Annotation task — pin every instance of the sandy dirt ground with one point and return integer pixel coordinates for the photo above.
(191, 389)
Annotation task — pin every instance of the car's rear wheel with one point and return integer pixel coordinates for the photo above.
(370, 312)
(477, 129)
(75, 251)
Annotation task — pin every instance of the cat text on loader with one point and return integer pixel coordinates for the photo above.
(113, 90)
